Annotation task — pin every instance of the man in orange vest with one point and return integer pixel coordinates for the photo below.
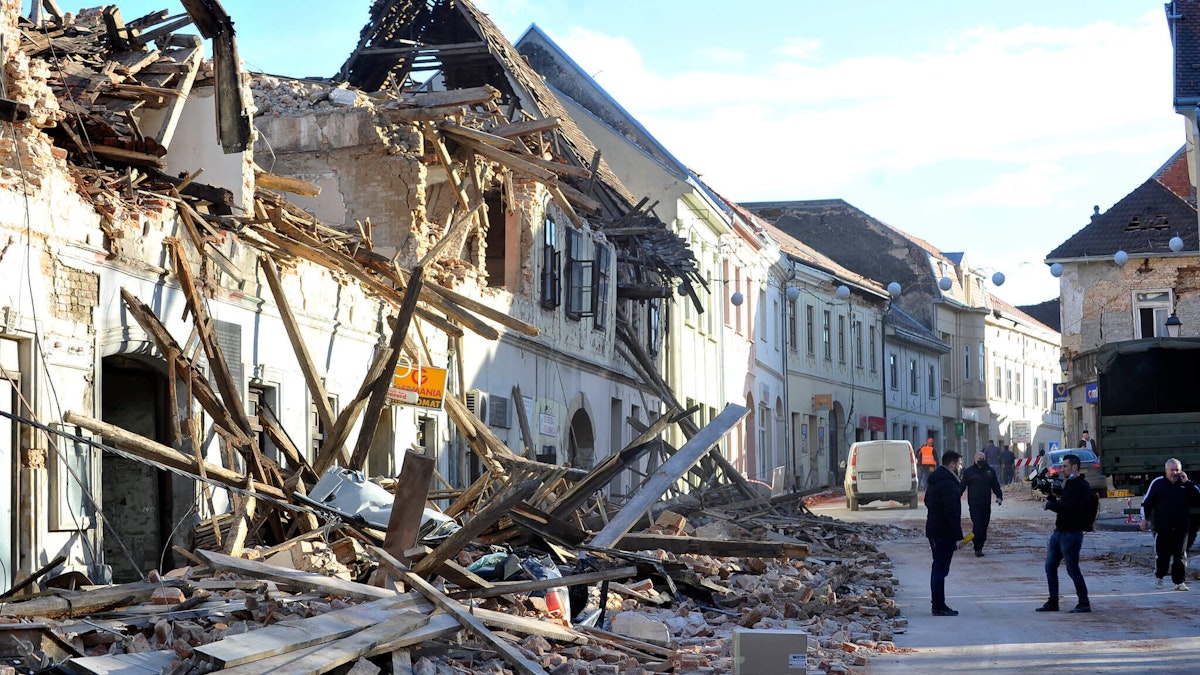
(926, 462)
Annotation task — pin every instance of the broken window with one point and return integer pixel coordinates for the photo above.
(600, 300)
(653, 327)
(259, 396)
(579, 277)
(550, 264)
(317, 430)
(496, 251)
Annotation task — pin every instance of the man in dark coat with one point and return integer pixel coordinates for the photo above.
(992, 452)
(1007, 462)
(1169, 501)
(943, 526)
(1075, 512)
(980, 483)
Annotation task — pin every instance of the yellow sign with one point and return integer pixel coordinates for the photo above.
(1119, 493)
(822, 402)
(420, 386)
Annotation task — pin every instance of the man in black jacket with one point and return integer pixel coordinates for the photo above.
(1075, 509)
(1169, 501)
(980, 483)
(943, 526)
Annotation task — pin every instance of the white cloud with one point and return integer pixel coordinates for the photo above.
(800, 48)
(1035, 185)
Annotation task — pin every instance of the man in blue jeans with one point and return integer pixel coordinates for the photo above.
(943, 526)
(1075, 509)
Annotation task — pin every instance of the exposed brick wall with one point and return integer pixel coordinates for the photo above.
(76, 292)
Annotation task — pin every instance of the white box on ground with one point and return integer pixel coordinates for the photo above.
(769, 651)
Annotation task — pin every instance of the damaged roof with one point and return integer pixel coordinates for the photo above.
(1141, 223)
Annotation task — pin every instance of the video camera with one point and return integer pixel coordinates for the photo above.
(1051, 486)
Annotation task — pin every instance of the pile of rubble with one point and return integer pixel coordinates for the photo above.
(267, 613)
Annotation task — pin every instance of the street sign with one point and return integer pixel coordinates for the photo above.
(959, 429)
(1091, 393)
(1020, 431)
(1062, 392)
(1053, 445)
(420, 386)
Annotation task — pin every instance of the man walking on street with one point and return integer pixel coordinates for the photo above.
(1169, 501)
(980, 483)
(943, 526)
(926, 462)
(992, 453)
(1076, 511)
(1007, 462)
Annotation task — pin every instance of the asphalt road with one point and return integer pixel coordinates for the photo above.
(1133, 627)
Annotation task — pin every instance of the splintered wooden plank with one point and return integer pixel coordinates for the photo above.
(670, 471)
(125, 664)
(326, 657)
(507, 651)
(640, 541)
(290, 636)
(504, 588)
(319, 582)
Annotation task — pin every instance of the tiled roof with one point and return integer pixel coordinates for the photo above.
(1046, 313)
(1143, 222)
(1002, 308)
(1183, 20)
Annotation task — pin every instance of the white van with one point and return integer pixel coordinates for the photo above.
(881, 471)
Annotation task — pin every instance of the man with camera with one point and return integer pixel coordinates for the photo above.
(1169, 501)
(1075, 511)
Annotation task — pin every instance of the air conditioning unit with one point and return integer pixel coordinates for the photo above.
(498, 412)
(477, 404)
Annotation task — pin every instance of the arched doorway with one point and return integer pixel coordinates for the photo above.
(581, 442)
(137, 498)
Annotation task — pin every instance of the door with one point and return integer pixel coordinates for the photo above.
(8, 443)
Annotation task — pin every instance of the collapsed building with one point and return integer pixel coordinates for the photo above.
(222, 288)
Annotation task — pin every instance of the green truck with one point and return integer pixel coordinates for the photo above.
(1148, 409)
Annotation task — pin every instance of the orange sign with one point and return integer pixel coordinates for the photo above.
(822, 402)
(421, 386)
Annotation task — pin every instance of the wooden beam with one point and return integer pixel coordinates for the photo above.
(523, 420)
(366, 433)
(316, 388)
(506, 587)
(483, 519)
(412, 490)
(151, 450)
(728, 548)
(309, 580)
(516, 129)
(670, 471)
(285, 184)
(336, 437)
(507, 651)
(75, 603)
(456, 129)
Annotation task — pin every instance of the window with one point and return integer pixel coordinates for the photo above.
(858, 345)
(996, 390)
(841, 339)
(912, 376)
(808, 326)
(793, 329)
(1019, 390)
(1037, 391)
(966, 362)
(872, 346)
(653, 327)
(495, 255)
(579, 277)
(932, 382)
(600, 299)
(1151, 309)
(893, 371)
(551, 279)
(982, 368)
(826, 338)
(1008, 381)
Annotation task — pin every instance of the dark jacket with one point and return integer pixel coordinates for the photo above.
(1170, 504)
(979, 484)
(1007, 458)
(943, 499)
(1074, 507)
(991, 453)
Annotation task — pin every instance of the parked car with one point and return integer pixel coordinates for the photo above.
(881, 471)
(1089, 465)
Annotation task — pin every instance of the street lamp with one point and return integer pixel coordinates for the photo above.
(1174, 325)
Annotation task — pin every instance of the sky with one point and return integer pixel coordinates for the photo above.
(989, 128)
